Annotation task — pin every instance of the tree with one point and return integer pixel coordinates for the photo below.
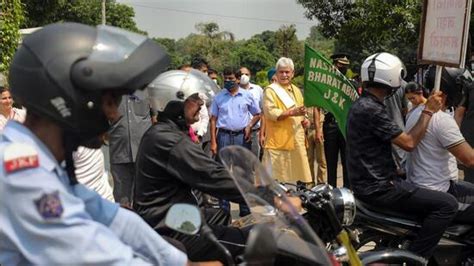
(317, 41)
(40, 13)
(365, 27)
(254, 55)
(331, 14)
(11, 17)
(211, 30)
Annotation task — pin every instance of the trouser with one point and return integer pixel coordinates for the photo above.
(469, 175)
(199, 248)
(255, 145)
(315, 151)
(436, 208)
(124, 176)
(226, 138)
(464, 193)
(335, 144)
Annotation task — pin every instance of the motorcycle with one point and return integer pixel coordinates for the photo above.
(328, 211)
(279, 235)
(379, 229)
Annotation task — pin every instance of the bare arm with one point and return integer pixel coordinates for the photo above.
(409, 140)
(464, 153)
(213, 135)
(459, 114)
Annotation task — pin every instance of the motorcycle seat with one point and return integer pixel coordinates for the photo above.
(377, 211)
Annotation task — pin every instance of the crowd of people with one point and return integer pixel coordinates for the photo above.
(165, 129)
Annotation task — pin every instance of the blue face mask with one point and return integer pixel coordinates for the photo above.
(229, 84)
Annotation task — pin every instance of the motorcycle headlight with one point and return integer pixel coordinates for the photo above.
(344, 203)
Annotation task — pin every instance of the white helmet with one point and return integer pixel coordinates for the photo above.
(177, 85)
(383, 69)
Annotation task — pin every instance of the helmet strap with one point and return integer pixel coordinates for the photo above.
(372, 68)
(71, 143)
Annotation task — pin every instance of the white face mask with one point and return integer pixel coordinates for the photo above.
(244, 80)
(215, 80)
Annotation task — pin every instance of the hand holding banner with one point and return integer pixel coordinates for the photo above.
(326, 87)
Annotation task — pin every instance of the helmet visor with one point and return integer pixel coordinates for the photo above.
(114, 44)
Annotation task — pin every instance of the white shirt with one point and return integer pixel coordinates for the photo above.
(430, 164)
(257, 93)
(15, 114)
(90, 171)
(200, 127)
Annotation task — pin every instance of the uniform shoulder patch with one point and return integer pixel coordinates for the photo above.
(49, 205)
(18, 156)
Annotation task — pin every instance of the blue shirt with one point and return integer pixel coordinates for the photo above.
(234, 112)
(45, 220)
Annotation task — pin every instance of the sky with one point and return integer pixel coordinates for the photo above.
(177, 18)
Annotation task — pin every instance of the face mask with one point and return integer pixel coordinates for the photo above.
(215, 80)
(229, 84)
(244, 80)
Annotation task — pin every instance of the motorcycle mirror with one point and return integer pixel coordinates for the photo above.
(261, 246)
(184, 218)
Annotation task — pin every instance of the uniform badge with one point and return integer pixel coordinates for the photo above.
(18, 156)
(49, 205)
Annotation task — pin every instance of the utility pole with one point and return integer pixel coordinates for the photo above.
(103, 12)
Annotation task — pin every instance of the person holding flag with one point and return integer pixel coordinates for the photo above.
(327, 87)
(372, 171)
(285, 150)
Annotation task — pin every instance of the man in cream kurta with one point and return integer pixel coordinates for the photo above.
(285, 151)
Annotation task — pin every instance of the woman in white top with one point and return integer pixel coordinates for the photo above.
(7, 111)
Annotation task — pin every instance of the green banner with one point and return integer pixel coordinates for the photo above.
(326, 87)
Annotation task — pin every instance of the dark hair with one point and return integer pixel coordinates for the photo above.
(4, 88)
(211, 71)
(413, 87)
(230, 71)
(199, 62)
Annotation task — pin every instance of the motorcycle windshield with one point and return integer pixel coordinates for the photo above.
(269, 204)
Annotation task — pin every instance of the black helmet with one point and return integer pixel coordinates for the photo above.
(454, 82)
(60, 72)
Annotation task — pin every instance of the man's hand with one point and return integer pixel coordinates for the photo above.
(295, 202)
(213, 148)
(435, 102)
(261, 139)
(297, 111)
(319, 137)
(305, 123)
(248, 133)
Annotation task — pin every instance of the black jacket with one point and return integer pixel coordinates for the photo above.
(168, 166)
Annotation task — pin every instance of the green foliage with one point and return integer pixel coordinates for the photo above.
(364, 27)
(40, 13)
(319, 43)
(11, 17)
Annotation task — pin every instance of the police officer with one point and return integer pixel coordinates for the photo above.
(334, 142)
(70, 77)
(372, 171)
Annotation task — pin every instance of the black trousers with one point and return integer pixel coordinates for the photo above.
(436, 209)
(469, 175)
(124, 176)
(464, 193)
(334, 144)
